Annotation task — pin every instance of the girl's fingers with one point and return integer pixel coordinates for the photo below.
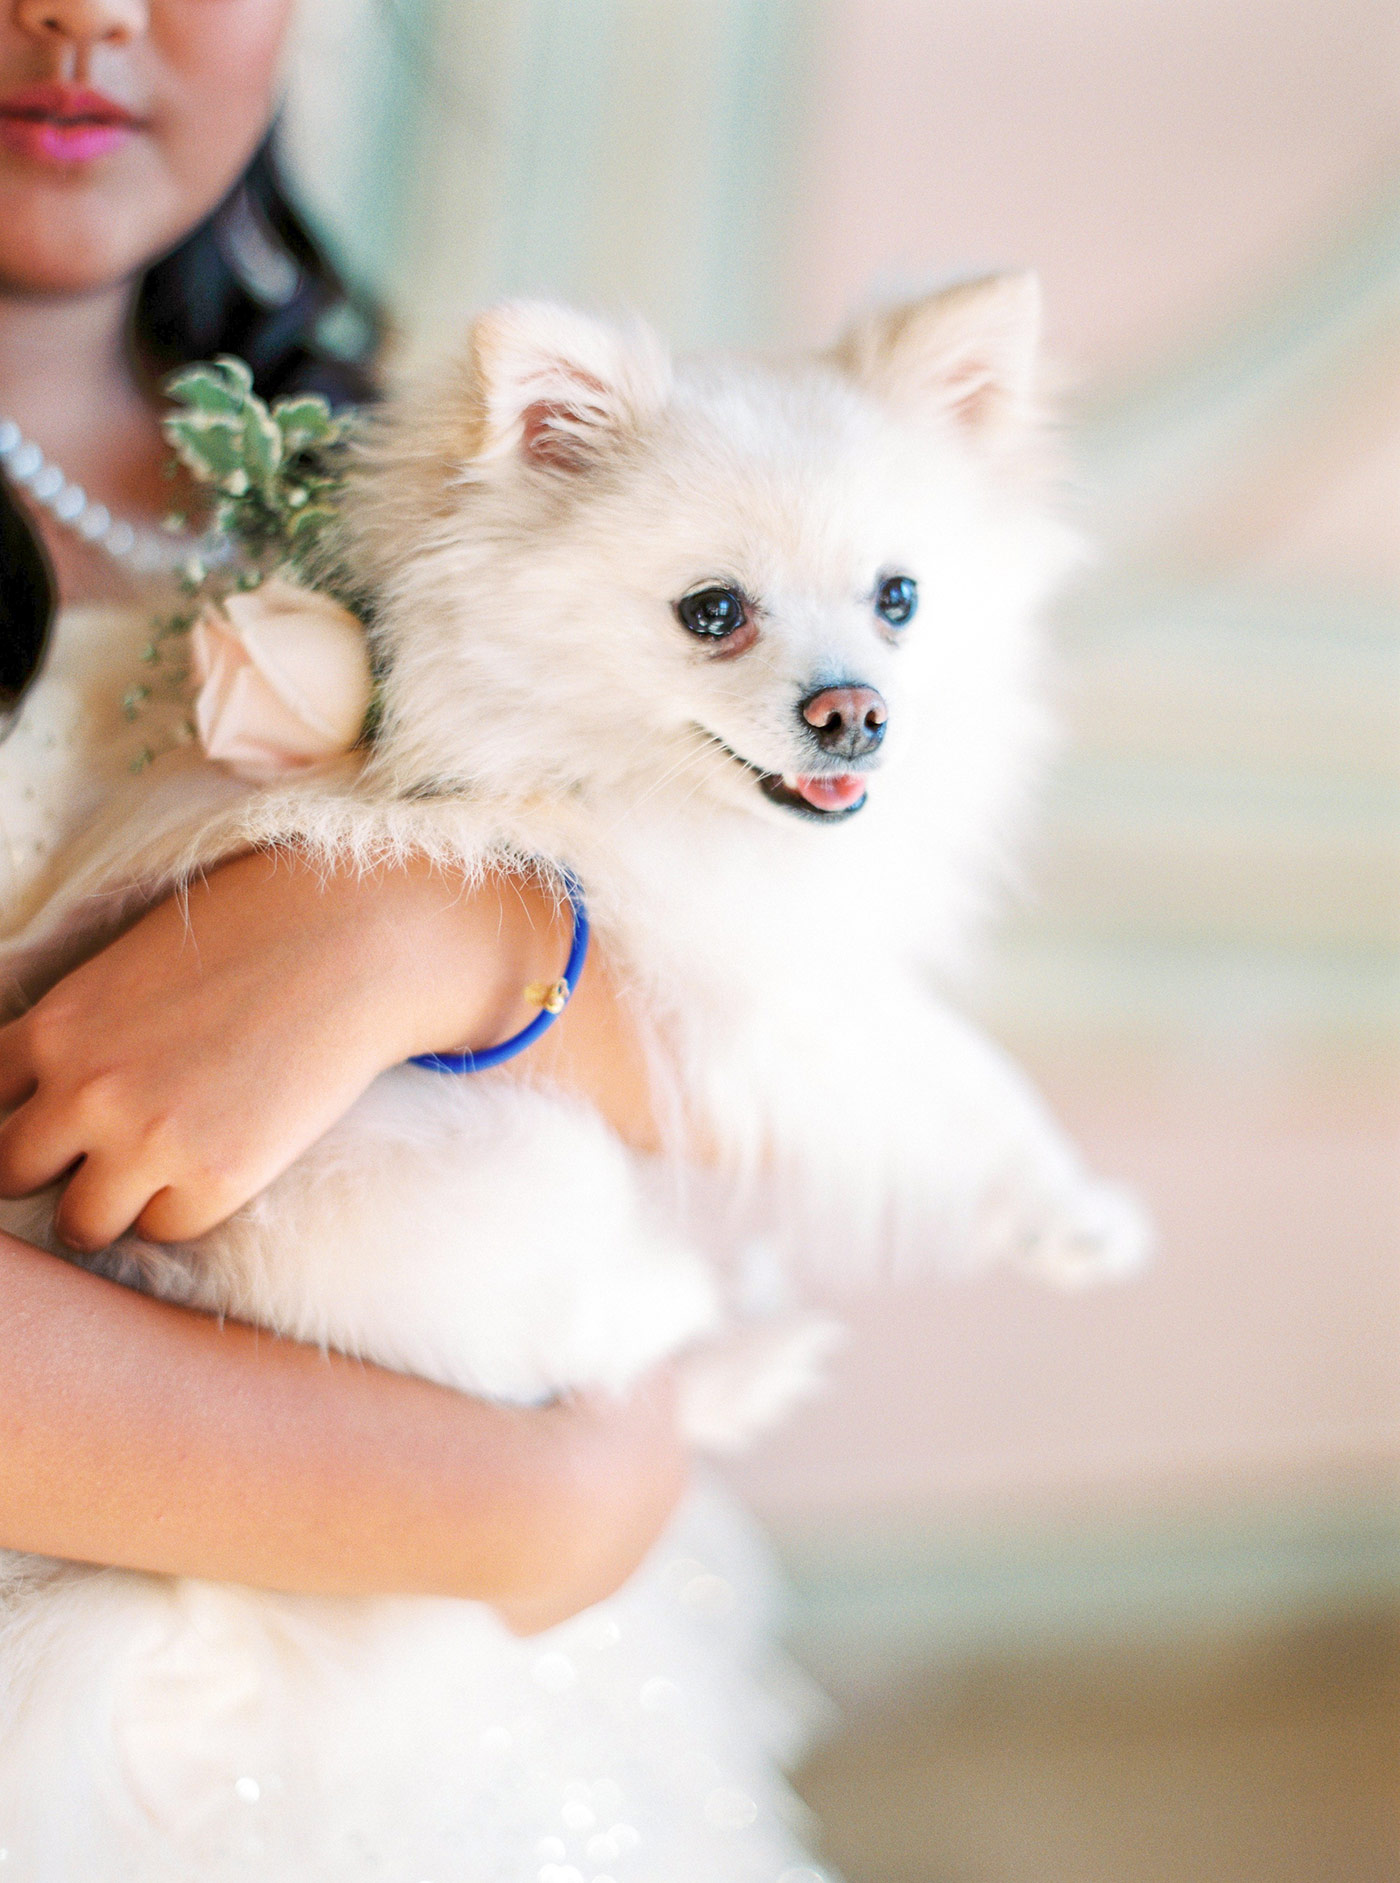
(35, 1149)
(176, 1215)
(103, 1199)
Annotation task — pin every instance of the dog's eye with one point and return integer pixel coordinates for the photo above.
(896, 599)
(712, 613)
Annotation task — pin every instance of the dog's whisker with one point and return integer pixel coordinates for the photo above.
(689, 761)
(693, 755)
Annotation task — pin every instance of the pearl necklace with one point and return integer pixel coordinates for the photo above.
(143, 552)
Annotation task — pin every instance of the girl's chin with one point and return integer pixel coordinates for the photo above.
(79, 230)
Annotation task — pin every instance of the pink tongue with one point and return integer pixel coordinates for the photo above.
(831, 793)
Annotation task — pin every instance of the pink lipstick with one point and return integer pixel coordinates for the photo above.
(64, 124)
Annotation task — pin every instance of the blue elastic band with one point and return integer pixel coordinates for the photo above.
(544, 1019)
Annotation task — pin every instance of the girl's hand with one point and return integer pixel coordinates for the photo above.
(182, 1069)
(626, 1469)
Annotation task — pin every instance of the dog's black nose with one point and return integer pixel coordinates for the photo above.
(848, 722)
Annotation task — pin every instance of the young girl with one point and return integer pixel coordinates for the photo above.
(176, 1073)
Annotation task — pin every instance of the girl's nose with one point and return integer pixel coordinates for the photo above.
(82, 24)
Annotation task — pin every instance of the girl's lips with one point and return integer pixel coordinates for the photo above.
(51, 141)
(63, 124)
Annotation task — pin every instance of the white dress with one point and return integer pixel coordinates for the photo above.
(642, 1742)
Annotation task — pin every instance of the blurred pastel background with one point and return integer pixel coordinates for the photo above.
(1107, 1584)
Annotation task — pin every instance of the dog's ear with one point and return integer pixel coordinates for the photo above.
(967, 353)
(558, 387)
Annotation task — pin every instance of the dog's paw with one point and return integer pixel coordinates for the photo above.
(1092, 1233)
(744, 1383)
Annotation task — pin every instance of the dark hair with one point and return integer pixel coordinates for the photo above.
(253, 280)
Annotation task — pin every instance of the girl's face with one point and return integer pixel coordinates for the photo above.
(122, 124)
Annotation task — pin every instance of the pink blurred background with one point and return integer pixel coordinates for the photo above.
(1172, 173)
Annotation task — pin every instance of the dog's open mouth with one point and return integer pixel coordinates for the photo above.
(818, 794)
(825, 797)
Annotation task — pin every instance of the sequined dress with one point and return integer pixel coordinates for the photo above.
(642, 1742)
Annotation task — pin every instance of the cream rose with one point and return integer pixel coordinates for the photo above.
(284, 680)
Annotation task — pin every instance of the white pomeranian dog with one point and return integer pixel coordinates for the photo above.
(750, 649)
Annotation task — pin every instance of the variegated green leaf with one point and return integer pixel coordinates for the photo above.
(238, 372)
(210, 444)
(304, 421)
(262, 443)
(310, 518)
(204, 389)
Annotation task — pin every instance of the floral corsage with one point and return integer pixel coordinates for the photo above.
(270, 653)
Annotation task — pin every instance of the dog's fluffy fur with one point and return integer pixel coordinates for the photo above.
(526, 526)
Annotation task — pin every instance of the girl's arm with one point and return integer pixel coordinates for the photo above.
(191, 1061)
(150, 1437)
(178, 1072)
